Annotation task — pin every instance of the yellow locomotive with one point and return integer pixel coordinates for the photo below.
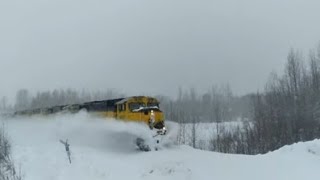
(136, 108)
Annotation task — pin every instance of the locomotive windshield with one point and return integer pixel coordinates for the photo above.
(136, 106)
(153, 105)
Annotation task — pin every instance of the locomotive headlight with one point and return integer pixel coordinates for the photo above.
(152, 117)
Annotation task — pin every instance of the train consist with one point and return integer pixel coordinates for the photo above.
(136, 108)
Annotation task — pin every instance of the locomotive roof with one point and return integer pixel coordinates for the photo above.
(123, 100)
(104, 101)
(128, 98)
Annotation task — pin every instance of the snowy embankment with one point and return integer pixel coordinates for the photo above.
(104, 149)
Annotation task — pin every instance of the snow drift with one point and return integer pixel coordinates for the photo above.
(101, 149)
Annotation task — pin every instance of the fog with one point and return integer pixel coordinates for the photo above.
(149, 46)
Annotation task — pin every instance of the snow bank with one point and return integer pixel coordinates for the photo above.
(307, 148)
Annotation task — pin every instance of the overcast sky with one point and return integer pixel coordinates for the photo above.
(150, 46)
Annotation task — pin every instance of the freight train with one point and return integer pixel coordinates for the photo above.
(136, 108)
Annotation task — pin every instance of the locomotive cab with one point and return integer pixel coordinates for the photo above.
(142, 109)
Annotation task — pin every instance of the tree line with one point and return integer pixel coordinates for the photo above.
(286, 112)
(289, 109)
(216, 105)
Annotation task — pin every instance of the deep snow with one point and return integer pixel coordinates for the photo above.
(104, 149)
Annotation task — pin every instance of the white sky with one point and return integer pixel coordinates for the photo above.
(150, 46)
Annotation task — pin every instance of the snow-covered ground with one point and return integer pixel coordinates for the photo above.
(104, 149)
